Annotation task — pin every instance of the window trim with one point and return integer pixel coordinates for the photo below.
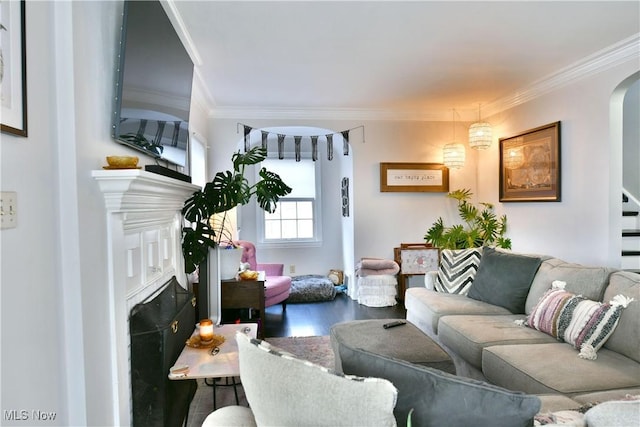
(316, 241)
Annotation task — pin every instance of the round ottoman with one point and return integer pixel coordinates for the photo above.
(404, 342)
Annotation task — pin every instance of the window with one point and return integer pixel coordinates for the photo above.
(296, 218)
(293, 219)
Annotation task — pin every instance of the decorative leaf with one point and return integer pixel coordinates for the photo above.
(195, 245)
(251, 157)
(224, 192)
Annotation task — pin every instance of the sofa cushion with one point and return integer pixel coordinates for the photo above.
(457, 269)
(590, 282)
(626, 337)
(620, 413)
(557, 402)
(425, 307)
(504, 279)
(554, 368)
(441, 399)
(405, 342)
(285, 391)
(583, 323)
(606, 395)
(466, 336)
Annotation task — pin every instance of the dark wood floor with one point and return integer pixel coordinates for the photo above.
(316, 319)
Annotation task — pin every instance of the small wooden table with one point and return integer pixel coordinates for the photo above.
(244, 294)
(224, 364)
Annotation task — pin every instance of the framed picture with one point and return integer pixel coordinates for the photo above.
(414, 177)
(530, 165)
(418, 260)
(13, 67)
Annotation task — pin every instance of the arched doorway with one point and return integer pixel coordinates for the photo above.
(625, 166)
(335, 247)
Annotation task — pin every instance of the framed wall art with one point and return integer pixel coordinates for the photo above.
(530, 165)
(414, 177)
(13, 68)
(344, 189)
(414, 259)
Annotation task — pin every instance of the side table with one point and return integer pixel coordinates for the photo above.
(245, 294)
(204, 363)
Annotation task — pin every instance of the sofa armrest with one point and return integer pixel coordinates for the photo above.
(430, 280)
(271, 269)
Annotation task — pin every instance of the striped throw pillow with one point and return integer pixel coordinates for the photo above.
(457, 270)
(571, 318)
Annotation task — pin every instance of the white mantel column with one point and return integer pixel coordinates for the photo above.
(144, 230)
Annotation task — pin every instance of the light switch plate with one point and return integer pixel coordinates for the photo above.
(8, 209)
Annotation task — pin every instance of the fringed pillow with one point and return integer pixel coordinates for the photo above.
(457, 270)
(571, 318)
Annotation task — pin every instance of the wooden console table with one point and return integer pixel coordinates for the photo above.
(244, 294)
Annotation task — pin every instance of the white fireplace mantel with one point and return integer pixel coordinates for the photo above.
(144, 226)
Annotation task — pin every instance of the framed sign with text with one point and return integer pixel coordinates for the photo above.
(414, 177)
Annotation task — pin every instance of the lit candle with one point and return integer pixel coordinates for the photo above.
(206, 330)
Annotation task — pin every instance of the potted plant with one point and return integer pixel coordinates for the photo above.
(481, 226)
(227, 190)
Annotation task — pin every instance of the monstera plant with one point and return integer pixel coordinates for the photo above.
(227, 190)
(481, 226)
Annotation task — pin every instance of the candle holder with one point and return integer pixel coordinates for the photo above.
(206, 331)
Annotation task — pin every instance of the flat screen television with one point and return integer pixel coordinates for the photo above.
(153, 87)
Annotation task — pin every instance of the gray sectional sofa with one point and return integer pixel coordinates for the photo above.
(488, 343)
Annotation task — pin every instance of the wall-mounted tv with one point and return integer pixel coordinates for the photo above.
(153, 87)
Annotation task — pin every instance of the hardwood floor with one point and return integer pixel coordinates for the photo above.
(314, 319)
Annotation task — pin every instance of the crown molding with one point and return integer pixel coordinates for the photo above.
(621, 52)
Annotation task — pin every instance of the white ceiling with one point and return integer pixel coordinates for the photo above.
(414, 56)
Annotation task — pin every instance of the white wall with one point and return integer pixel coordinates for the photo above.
(580, 228)
(31, 291)
(53, 275)
(381, 220)
(584, 226)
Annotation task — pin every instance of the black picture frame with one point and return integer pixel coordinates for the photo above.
(14, 64)
(530, 166)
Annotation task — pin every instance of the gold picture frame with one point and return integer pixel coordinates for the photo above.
(530, 165)
(414, 177)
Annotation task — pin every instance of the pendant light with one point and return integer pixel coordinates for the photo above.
(480, 134)
(453, 154)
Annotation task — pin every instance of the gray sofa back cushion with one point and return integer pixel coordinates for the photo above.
(441, 399)
(504, 279)
(589, 282)
(626, 338)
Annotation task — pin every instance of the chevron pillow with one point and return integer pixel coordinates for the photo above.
(457, 270)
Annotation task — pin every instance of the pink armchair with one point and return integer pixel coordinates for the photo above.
(276, 285)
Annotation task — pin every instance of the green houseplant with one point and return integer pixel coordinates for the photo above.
(482, 227)
(227, 190)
